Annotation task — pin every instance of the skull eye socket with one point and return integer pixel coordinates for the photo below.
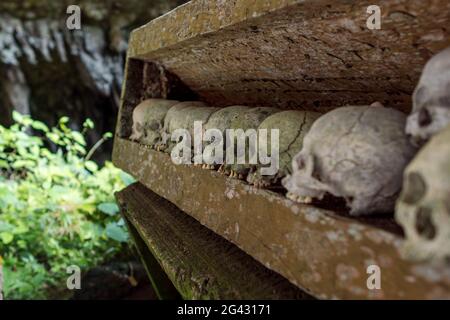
(309, 163)
(424, 224)
(154, 126)
(316, 169)
(425, 118)
(414, 189)
(300, 163)
(139, 127)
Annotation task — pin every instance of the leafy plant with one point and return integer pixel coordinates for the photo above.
(57, 207)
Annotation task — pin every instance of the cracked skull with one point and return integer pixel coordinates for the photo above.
(293, 126)
(221, 120)
(148, 119)
(431, 99)
(423, 208)
(249, 119)
(357, 153)
(176, 118)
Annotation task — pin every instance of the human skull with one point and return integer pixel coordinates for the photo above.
(176, 118)
(357, 153)
(199, 114)
(431, 99)
(221, 120)
(250, 119)
(148, 119)
(293, 126)
(423, 208)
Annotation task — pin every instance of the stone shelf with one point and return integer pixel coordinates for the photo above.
(198, 262)
(292, 54)
(323, 253)
(315, 54)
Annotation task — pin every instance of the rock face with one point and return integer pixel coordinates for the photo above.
(48, 71)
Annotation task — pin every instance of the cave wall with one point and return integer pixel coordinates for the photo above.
(49, 71)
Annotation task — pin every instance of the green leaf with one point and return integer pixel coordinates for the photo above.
(110, 208)
(107, 135)
(6, 237)
(88, 124)
(88, 207)
(78, 137)
(21, 228)
(126, 178)
(63, 120)
(91, 166)
(23, 164)
(4, 164)
(38, 125)
(5, 226)
(117, 233)
(17, 117)
(53, 137)
(79, 149)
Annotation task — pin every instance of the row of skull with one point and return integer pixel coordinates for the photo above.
(358, 153)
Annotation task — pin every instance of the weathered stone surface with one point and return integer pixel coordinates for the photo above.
(161, 283)
(296, 54)
(200, 264)
(145, 81)
(289, 54)
(323, 253)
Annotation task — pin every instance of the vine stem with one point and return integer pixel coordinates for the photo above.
(94, 148)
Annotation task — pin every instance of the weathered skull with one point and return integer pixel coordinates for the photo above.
(357, 153)
(221, 120)
(293, 126)
(250, 119)
(423, 208)
(431, 100)
(201, 114)
(148, 119)
(176, 118)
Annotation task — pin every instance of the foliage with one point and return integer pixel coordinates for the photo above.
(56, 207)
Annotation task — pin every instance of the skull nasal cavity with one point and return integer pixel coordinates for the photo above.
(424, 117)
(414, 189)
(424, 224)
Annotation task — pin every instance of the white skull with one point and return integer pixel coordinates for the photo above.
(292, 126)
(249, 119)
(221, 120)
(423, 208)
(148, 119)
(176, 118)
(198, 114)
(357, 153)
(431, 100)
